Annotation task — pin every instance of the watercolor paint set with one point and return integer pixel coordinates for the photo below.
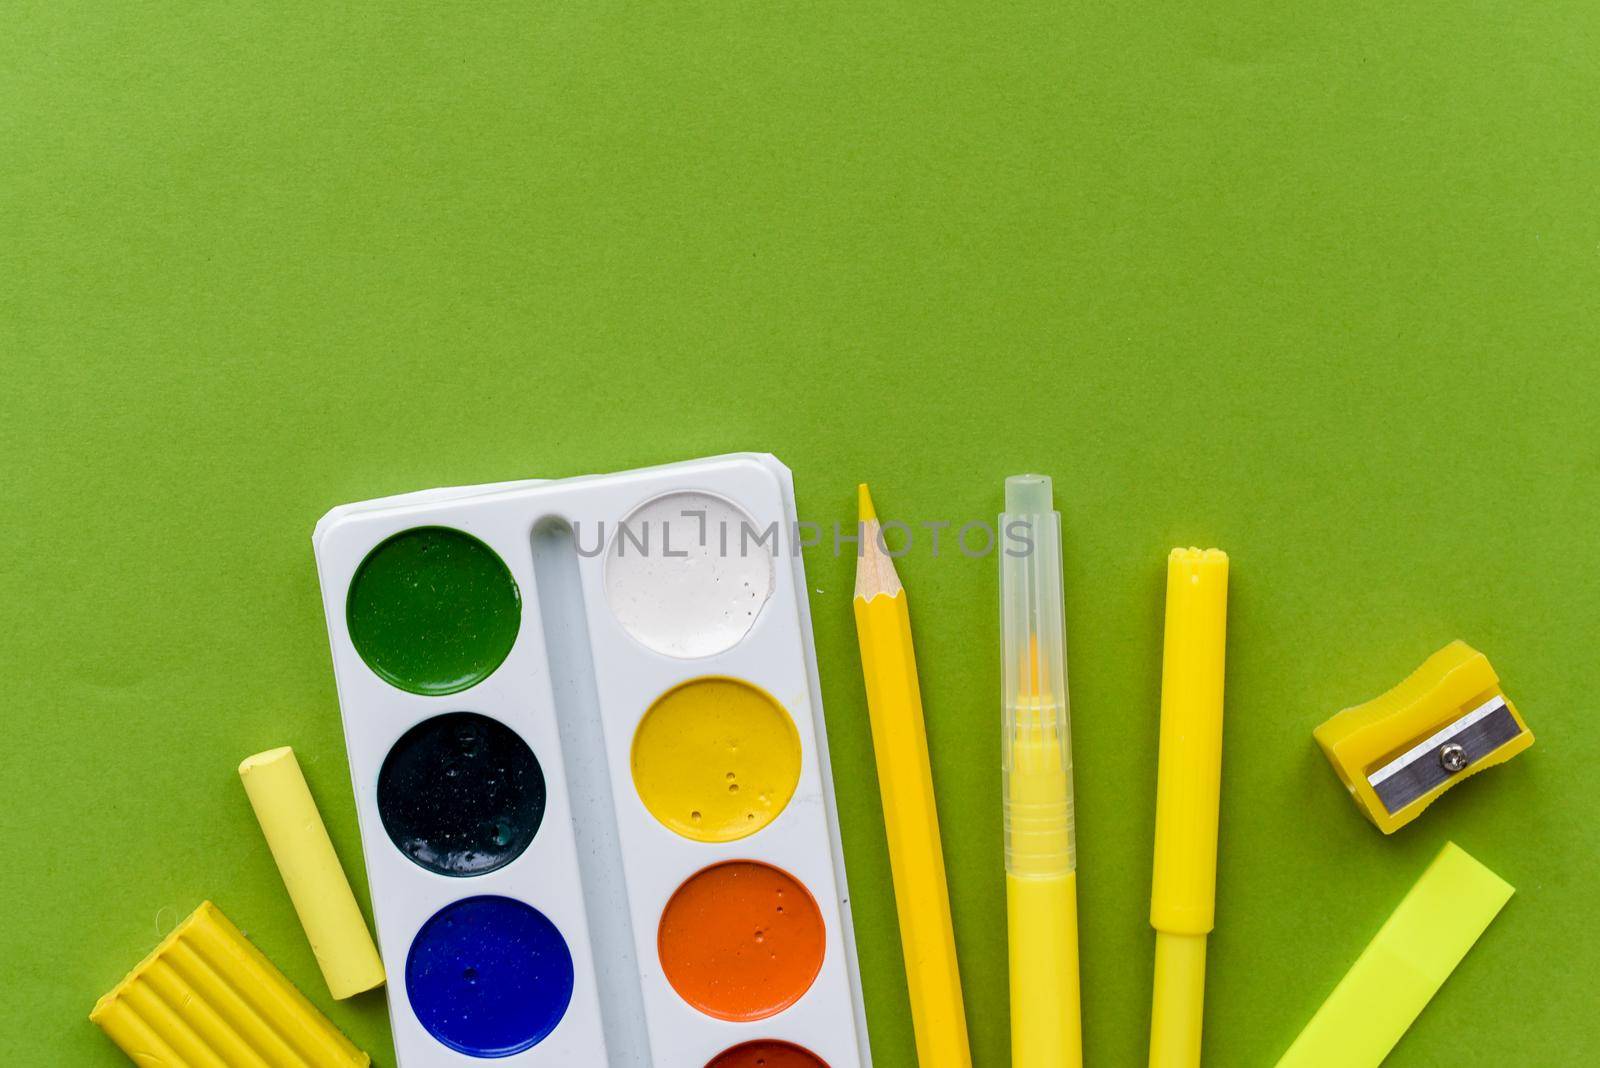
(591, 771)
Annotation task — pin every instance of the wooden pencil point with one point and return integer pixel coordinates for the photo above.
(875, 573)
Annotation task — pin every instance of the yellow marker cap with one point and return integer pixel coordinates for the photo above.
(311, 872)
(206, 997)
(1404, 965)
(1183, 892)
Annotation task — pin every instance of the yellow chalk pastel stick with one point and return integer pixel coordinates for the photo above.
(311, 872)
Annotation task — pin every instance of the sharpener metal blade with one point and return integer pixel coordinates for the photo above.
(1420, 768)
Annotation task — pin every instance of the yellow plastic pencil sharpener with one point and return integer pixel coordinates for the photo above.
(1397, 753)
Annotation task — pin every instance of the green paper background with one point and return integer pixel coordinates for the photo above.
(1313, 282)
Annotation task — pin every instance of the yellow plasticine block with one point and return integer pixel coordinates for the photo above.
(1403, 966)
(1447, 721)
(311, 872)
(207, 998)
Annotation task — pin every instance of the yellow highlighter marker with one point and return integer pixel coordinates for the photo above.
(1188, 786)
(911, 822)
(1036, 754)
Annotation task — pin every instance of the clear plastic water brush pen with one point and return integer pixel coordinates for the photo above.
(1036, 747)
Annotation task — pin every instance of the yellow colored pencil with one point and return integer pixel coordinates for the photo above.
(905, 781)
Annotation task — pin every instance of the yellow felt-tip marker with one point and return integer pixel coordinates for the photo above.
(910, 819)
(1036, 760)
(1183, 891)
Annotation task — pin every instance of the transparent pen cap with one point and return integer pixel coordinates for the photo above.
(1036, 746)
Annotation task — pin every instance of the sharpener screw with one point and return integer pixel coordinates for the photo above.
(1452, 757)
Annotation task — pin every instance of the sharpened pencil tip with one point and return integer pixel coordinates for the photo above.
(864, 503)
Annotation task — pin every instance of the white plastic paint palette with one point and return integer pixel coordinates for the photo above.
(591, 771)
